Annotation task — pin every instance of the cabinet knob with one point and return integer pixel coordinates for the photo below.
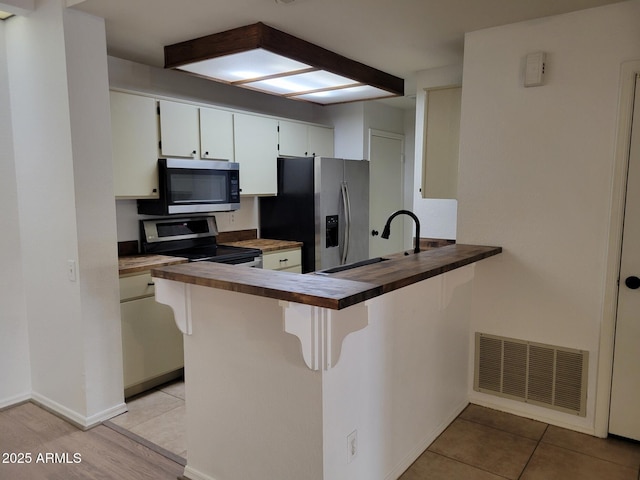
(374, 233)
(206, 153)
(632, 282)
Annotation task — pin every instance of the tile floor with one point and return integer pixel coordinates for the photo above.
(484, 444)
(158, 416)
(481, 444)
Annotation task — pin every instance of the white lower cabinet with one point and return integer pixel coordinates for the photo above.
(289, 260)
(152, 345)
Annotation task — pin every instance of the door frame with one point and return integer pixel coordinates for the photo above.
(628, 72)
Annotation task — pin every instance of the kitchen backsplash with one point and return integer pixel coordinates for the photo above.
(244, 219)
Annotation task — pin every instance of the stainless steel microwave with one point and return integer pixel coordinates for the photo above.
(194, 186)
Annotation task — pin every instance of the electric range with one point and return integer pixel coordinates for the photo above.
(193, 238)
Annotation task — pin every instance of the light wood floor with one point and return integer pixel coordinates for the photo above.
(101, 453)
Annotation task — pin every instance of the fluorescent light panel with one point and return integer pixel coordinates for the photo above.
(249, 65)
(262, 58)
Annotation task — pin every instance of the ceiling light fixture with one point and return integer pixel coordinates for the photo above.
(262, 58)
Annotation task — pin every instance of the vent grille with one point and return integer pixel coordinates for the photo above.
(545, 375)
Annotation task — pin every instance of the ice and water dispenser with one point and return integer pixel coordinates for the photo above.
(331, 224)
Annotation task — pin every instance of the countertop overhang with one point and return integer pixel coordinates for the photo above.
(335, 291)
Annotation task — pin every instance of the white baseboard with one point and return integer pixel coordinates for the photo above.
(193, 474)
(80, 421)
(14, 400)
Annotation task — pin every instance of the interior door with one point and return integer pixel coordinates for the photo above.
(386, 192)
(624, 416)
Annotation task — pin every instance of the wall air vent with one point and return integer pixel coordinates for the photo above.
(544, 375)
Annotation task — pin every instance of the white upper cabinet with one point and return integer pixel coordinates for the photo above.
(216, 134)
(189, 131)
(442, 138)
(293, 139)
(320, 141)
(256, 149)
(145, 128)
(134, 130)
(179, 130)
(297, 139)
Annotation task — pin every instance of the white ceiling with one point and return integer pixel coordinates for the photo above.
(400, 37)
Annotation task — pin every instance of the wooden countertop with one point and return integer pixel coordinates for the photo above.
(265, 244)
(141, 263)
(337, 290)
(129, 264)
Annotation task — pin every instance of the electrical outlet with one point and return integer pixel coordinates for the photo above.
(352, 446)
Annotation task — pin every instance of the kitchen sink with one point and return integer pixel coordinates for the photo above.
(351, 266)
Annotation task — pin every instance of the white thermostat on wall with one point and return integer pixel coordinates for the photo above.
(534, 69)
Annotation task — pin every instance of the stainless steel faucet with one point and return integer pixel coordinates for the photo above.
(387, 227)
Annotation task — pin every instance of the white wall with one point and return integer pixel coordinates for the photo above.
(15, 377)
(59, 112)
(438, 217)
(536, 171)
(95, 210)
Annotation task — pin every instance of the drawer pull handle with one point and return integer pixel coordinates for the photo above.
(151, 284)
(284, 260)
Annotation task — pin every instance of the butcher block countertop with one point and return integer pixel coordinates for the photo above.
(265, 244)
(141, 263)
(337, 290)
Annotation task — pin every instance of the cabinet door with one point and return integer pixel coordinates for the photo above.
(293, 139)
(442, 138)
(256, 149)
(216, 134)
(179, 130)
(320, 141)
(134, 130)
(152, 345)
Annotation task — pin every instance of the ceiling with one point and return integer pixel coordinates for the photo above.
(400, 37)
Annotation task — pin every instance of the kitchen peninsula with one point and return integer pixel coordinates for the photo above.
(347, 375)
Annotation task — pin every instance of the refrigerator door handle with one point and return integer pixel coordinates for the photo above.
(347, 215)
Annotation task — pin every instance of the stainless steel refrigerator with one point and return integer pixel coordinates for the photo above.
(324, 203)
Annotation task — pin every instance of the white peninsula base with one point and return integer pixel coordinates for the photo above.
(283, 391)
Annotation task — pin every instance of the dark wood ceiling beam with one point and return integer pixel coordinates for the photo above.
(260, 35)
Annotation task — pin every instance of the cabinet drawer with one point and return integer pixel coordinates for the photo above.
(136, 286)
(282, 259)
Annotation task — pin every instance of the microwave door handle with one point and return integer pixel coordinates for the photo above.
(347, 216)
